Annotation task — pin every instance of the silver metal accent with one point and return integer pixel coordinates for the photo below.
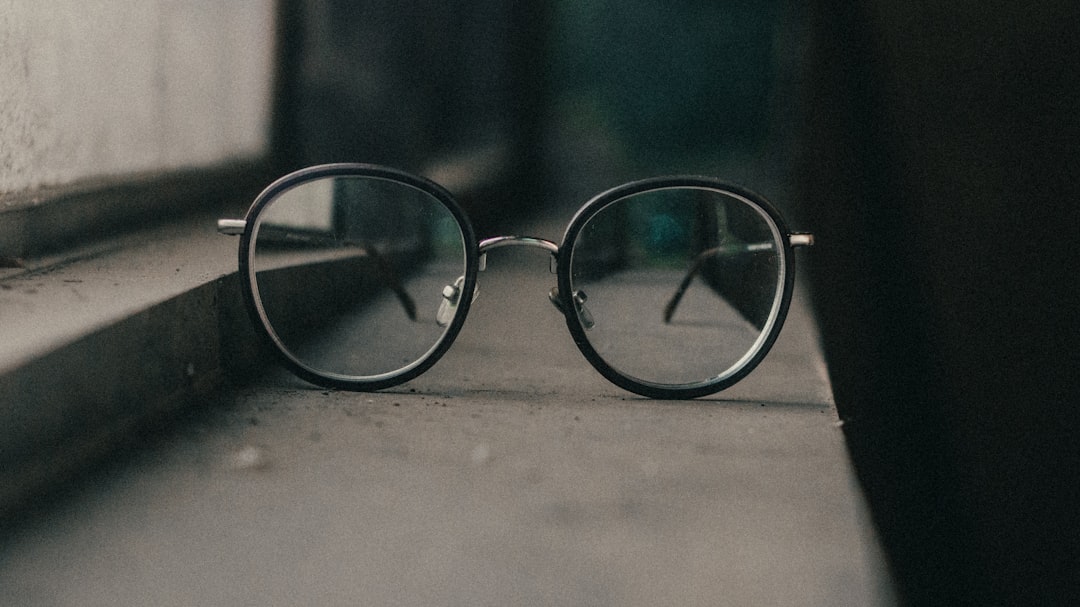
(519, 241)
(579, 298)
(553, 297)
(451, 296)
(231, 227)
(583, 313)
(801, 239)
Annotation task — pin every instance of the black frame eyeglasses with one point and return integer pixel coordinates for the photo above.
(361, 277)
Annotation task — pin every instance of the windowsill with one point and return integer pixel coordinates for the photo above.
(109, 338)
(136, 329)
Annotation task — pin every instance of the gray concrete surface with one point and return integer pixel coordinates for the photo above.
(509, 474)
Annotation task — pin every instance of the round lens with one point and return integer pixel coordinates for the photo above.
(357, 278)
(678, 286)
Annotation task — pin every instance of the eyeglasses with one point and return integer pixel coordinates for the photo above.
(361, 276)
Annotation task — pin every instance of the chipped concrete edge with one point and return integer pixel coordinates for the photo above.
(77, 383)
(76, 403)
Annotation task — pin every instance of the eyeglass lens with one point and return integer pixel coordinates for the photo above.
(677, 286)
(350, 274)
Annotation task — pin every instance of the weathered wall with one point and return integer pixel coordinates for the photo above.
(102, 88)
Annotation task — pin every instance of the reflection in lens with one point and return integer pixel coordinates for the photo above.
(681, 284)
(350, 273)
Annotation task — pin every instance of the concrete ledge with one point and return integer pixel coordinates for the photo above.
(504, 475)
(120, 332)
(128, 332)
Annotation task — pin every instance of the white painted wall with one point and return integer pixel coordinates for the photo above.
(95, 88)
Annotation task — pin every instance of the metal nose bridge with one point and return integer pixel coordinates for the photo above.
(516, 241)
(528, 241)
(519, 241)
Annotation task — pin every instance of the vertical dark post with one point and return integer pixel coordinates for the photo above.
(940, 179)
(284, 131)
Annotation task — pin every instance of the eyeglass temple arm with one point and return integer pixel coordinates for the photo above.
(235, 227)
(231, 227)
(389, 277)
(796, 240)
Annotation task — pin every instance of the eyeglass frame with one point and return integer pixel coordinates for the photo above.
(475, 257)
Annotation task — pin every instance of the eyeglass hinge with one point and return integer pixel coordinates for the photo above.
(801, 239)
(231, 227)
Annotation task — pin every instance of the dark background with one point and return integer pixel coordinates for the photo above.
(931, 149)
(940, 175)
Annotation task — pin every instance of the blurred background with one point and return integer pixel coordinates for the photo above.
(544, 102)
(931, 149)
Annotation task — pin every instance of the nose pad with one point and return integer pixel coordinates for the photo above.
(451, 297)
(553, 297)
(579, 305)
